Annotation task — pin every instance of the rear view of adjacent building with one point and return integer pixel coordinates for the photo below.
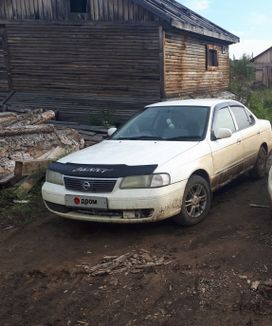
(263, 66)
(82, 57)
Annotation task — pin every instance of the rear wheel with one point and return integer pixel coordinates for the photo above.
(196, 201)
(259, 169)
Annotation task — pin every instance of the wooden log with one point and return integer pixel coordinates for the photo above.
(28, 167)
(15, 131)
(27, 184)
(49, 154)
(6, 114)
(7, 118)
(33, 118)
(50, 144)
(35, 170)
(59, 152)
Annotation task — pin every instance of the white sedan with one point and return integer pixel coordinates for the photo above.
(164, 162)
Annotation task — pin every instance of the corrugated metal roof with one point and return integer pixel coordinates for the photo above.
(183, 18)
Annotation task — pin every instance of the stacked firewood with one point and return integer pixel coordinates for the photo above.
(28, 143)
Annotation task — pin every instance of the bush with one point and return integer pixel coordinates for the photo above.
(242, 76)
(260, 103)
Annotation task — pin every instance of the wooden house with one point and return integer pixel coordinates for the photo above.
(263, 68)
(84, 57)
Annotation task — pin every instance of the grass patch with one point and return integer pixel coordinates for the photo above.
(16, 214)
(260, 103)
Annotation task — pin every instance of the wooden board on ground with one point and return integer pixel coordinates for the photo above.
(24, 168)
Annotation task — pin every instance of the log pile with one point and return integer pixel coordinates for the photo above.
(91, 134)
(30, 140)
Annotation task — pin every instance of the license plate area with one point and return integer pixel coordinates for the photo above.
(86, 202)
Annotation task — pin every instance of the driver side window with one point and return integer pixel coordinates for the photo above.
(223, 119)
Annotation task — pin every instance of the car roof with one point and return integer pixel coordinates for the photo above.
(211, 102)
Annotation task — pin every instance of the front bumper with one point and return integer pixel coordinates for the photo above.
(124, 205)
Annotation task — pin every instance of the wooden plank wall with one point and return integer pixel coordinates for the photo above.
(121, 10)
(264, 58)
(107, 61)
(79, 107)
(263, 65)
(4, 86)
(97, 10)
(263, 74)
(185, 67)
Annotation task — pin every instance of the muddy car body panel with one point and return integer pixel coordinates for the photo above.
(141, 173)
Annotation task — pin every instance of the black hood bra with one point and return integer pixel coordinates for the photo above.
(101, 170)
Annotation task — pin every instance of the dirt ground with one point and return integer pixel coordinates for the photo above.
(215, 273)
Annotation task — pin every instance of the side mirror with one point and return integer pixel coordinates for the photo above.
(111, 131)
(222, 133)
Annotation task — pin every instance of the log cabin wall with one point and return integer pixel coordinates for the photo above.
(186, 70)
(4, 69)
(109, 54)
(101, 59)
(96, 10)
(107, 61)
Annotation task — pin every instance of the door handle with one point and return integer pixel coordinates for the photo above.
(238, 141)
(258, 133)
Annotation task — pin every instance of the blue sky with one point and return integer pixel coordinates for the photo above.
(249, 20)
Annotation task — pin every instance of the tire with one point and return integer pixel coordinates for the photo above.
(197, 189)
(259, 169)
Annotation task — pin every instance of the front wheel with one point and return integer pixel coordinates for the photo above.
(196, 201)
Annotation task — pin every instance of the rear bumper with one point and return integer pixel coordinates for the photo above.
(124, 205)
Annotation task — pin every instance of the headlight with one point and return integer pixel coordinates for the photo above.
(160, 180)
(146, 181)
(54, 177)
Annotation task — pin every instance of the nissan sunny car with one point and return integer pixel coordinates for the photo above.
(165, 162)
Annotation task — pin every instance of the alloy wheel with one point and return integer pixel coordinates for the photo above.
(196, 200)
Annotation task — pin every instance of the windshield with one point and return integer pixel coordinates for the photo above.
(186, 123)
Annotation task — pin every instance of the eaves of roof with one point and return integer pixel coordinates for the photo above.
(181, 17)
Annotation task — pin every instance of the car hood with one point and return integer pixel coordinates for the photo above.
(129, 152)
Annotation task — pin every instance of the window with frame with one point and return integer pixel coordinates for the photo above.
(211, 57)
(223, 119)
(241, 117)
(78, 6)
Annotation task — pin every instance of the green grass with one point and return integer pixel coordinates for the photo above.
(260, 103)
(15, 214)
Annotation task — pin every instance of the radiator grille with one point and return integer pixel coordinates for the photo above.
(90, 185)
